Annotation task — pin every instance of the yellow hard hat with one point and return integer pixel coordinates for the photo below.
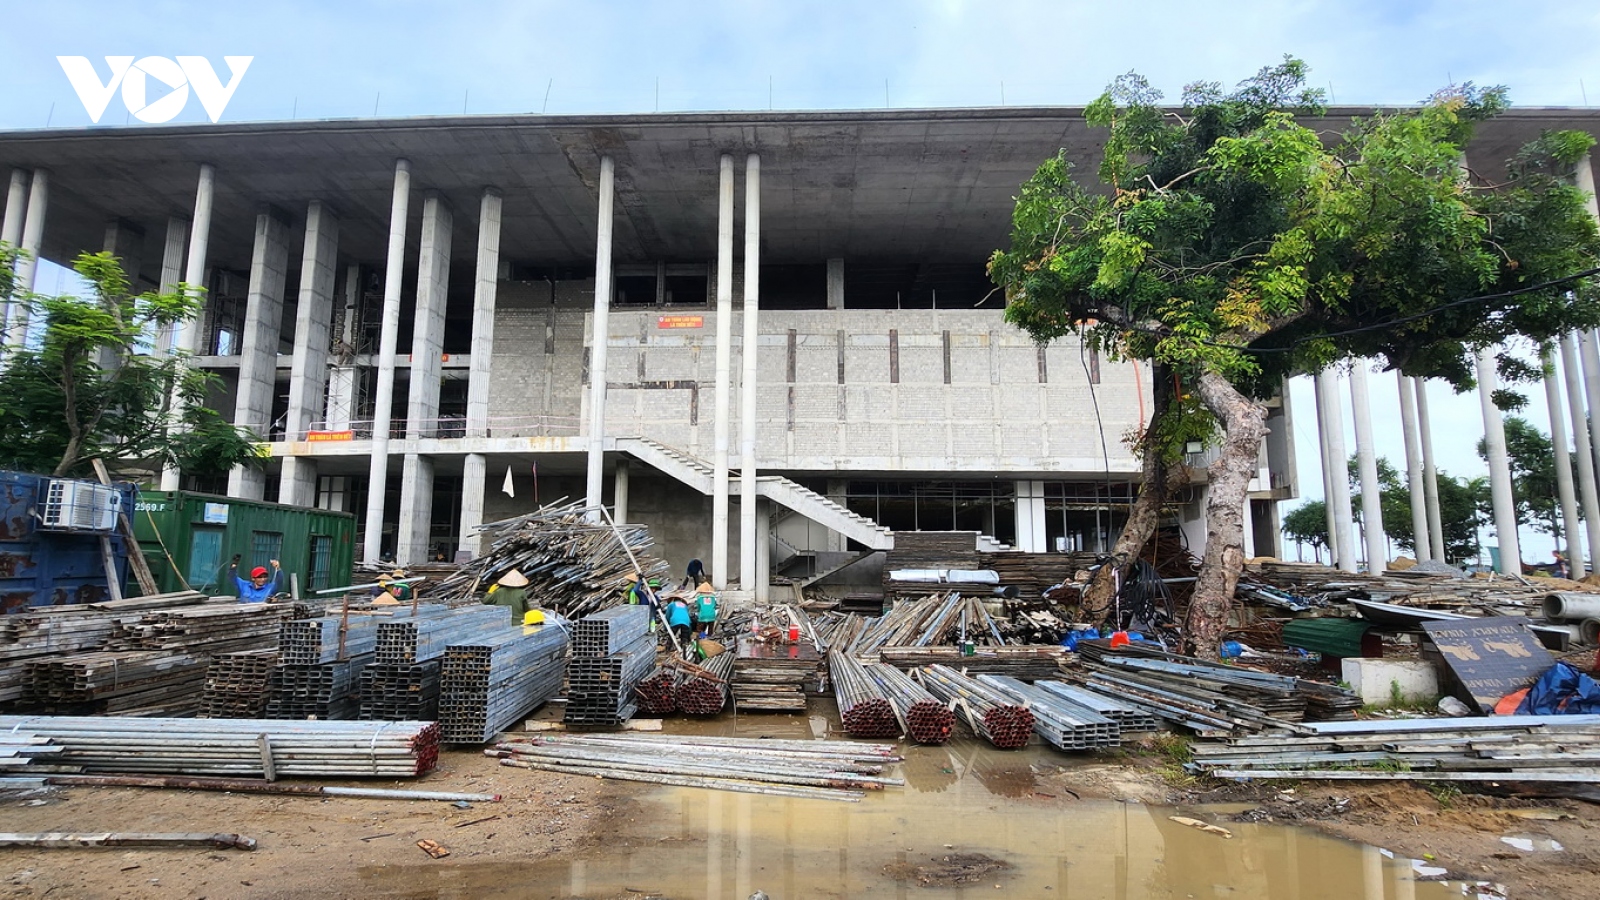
(533, 617)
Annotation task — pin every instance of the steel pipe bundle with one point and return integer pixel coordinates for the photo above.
(152, 682)
(991, 714)
(307, 642)
(703, 689)
(400, 693)
(927, 720)
(205, 629)
(1129, 718)
(236, 747)
(236, 685)
(325, 691)
(600, 689)
(487, 685)
(610, 631)
(813, 769)
(22, 746)
(1062, 723)
(657, 693)
(406, 641)
(863, 708)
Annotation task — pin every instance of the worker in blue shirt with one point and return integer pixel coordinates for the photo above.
(259, 588)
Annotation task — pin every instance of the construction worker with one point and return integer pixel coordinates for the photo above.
(510, 591)
(259, 588)
(696, 574)
(678, 619)
(705, 609)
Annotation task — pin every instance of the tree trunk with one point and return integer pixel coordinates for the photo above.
(1243, 427)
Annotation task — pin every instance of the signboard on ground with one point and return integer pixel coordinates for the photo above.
(1490, 657)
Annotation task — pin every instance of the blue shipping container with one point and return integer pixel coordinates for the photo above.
(50, 540)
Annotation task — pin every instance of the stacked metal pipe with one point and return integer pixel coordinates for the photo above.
(657, 693)
(400, 693)
(863, 708)
(236, 685)
(1129, 718)
(703, 691)
(927, 720)
(407, 640)
(1062, 723)
(612, 651)
(328, 690)
(831, 770)
(236, 747)
(208, 628)
(992, 715)
(488, 684)
(307, 642)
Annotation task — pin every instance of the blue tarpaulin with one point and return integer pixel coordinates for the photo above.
(1561, 690)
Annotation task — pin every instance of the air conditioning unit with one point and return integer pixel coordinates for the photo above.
(79, 506)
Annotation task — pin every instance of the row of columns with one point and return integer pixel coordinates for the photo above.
(27, 200)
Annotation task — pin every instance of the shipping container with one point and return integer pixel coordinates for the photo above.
(56, 538)
(190, 541)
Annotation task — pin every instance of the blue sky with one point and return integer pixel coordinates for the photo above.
(337, 60)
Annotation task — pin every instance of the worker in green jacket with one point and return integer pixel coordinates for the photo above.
(511, 591)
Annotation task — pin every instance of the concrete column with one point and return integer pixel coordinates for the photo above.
(620, 473)
(308, 371)
(483, 301)
(1494, 437)
(1430, 475)
(388, 343)
(1328, 468)
(171, 272)
(427, 360)
(719, 478)
(185, 335)
(1032, 533)
(16, 208)
(838, 492)
(474, 481)
(1564, 486)
(763, 550)
(1367, 460)
(1589, 357)
(1338, 474)
(599, 338)
(1587, 492)
(836, 283)
(748, 386)
(1419, 502)
(416, 510)
(342, 376)
(27, 268)
(258, 354)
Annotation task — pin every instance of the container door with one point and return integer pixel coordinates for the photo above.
(205, 559)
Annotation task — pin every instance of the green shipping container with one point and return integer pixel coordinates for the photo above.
(190, 539)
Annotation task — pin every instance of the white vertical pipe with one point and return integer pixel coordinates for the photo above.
(1494, 438)
(1430, 474)
(1588, 493)
(749, 541)
(27, 268)
(599, 338)
(1558, 438)
(388, 343)
(1338, 473)
(1328, 468)
(1419, 501)
(11, 229)
(186, 334)
(719, 478)
(1367, 462)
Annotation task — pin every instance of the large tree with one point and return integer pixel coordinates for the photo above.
(1532, 459)
(86, 388)
(1230, 242)
(1308, 524)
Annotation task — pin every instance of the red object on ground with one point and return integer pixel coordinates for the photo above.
(1119, 639)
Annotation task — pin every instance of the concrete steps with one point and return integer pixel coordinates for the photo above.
(839, 567)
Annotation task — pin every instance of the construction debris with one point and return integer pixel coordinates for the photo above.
(64, 840)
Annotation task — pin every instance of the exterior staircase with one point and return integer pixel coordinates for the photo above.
(700, 475)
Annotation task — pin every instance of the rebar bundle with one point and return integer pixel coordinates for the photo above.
(236, 747)
(486, 685)
(863, 708)
(324, 691)
(1062, 723)
(927, 720)
(657, 693)
(574, 566)
(236, 685)
(400, 693)
(832, 770)
(405, 641)
(990, 714)
(703, 690)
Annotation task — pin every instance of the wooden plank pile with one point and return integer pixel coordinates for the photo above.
(131, 682)
(770, 674)
(573, 566)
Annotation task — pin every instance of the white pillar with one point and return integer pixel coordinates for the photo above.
(620, 473)
(1587, 491)
(719, 478)
(185, 335)
(763, 550)
(836, 282)
(600, 336)
(749, 387)
(484, 294)
(1248, 519)
(474, 481)
(1367, 461)
(308, 370)
(1589, 357)
(1329, 523)
(427, 360)
(1338, 473)
(258, 350)
(1430, 474)
(11, 227)
(27, 268)
(388, 343)
(1494, 438)
(171, 272)
(342, 376)
(1558, 438)
(1419, 501)
(1032, 534)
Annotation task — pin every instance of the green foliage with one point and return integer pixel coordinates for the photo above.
(1308, 524)
(1463, 505)
(1533, 474)
(88, 391)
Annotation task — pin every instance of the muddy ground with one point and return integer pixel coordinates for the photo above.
(315, 847)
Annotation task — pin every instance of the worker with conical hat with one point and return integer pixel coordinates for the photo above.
(511, 591)
(705, 609)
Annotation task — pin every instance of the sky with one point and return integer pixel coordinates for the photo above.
(354, 59)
